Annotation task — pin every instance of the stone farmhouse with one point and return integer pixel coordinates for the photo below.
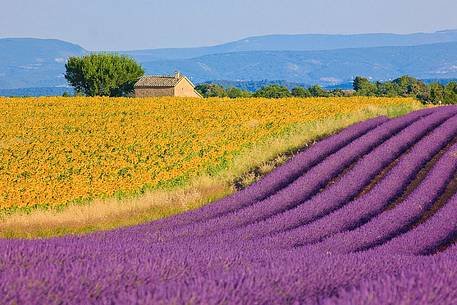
(156, 85)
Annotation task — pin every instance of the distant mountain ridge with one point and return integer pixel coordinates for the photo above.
(300, 42)
(327, 68)
(28, 62)
(306, 59)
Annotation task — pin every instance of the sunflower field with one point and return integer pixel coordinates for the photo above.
(57, 150)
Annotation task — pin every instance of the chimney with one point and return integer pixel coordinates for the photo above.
(177, 75)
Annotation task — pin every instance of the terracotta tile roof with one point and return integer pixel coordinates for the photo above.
(158, 81)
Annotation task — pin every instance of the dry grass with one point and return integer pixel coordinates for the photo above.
(110, 214)
(246, 168)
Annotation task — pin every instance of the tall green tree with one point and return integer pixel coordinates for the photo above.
(450, 93)
(363, 86)
(388, 89)
(410, 86)
(300, 92)
(317, 91)
(211, 90)
(436, 93)
(103, 74)
(237, 93)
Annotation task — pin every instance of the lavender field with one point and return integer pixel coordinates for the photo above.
(367, 216)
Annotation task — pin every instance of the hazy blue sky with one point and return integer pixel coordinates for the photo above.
(133, 24)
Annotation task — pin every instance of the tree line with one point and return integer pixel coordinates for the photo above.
(271, 91)
(115, 75)
(405, 86)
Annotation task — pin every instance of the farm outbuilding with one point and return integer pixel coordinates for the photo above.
(163, 85)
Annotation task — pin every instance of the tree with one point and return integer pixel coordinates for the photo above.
(452, 86)
(237, 93)
(300, 92)
(340, 93)
(317, 91)
(273, 91)
(363, 86)
(388, 89)
(410, 86)
(103, 74)
(436, 93)
(450, 93)
(211, 90)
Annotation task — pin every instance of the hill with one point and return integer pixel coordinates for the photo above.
(27, 62)
(302, 42)
(330, 67)
(306, 59)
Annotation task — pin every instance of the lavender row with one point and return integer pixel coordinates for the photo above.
(451, 249)
(305, 186)
(111, 274)
(425, 238)
(431, 284)
(397, 220)
(340, 193)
